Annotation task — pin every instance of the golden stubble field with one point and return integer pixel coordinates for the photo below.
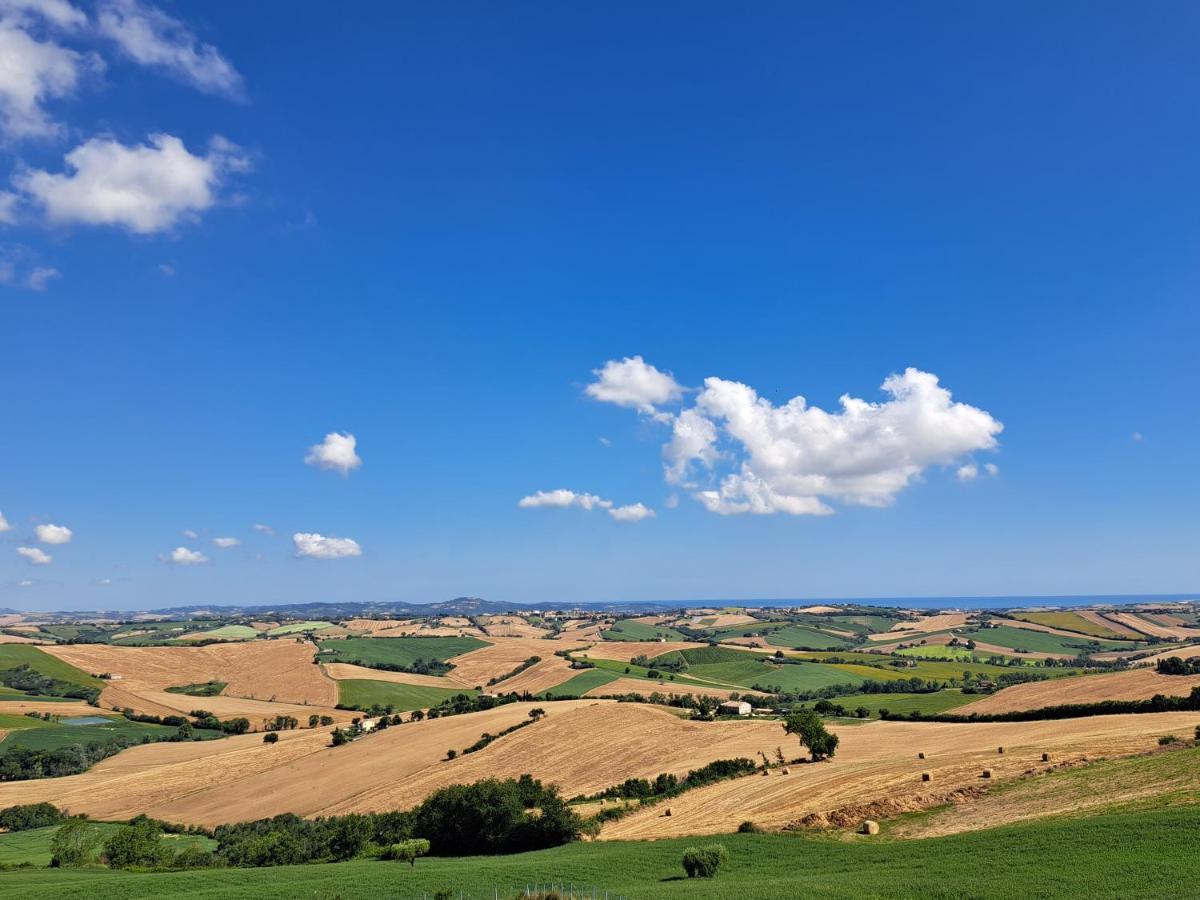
(1137, 684)
(264, 678)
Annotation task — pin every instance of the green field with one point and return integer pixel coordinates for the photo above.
(13, 655)
(12, 694)
(233, 633)
(296, 628)
(906, 703)
(33, 847)
(580, 684)
(396, 651)
(808, 638)
(1146, 854)
(204, 689)
(36, 734)
(364, 693)
(1040, 642)
(1069, 621)
(629, 630)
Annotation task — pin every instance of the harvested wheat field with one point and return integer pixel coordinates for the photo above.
(18, 639)
(1172, 632)
(1181, 652)
(624, 651)
(1138, 684)
(503, 655)
(241, 778)
(1096, 618)
(582, 746)
(343, 671)
(1163, 777)
(876, 772)
(279, 670)
(940, 622)
(512, 626)
(543, 676)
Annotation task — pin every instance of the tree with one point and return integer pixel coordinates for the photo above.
(270, 738)
(536, 713)
(339, 737)
(808, 727)
(407, 851)
(313, 720)
(417, 715)
(137, 844)
(703, 862)
(72, 844)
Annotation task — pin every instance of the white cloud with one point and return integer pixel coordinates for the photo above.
(226, 542)
(167, 270)
(672, 501)
(24, 582)
(4, 526)
(35, 556)
(635, 384)
(8, 207)
(182, 556)
(189, 533)
(264, 529)
(55, 12)
(992, 469)
(562, 498)
(40, 277)
(605, 442)
(145, 188)
(32, 72)
(335, 452)
(152, 38)
(317, 546)
(797, 458)
(969, 472)
(54, 534)
(635, 512)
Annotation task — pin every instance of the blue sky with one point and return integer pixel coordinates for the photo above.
(431, 227)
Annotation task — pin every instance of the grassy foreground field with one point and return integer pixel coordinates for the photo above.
(1121, 855)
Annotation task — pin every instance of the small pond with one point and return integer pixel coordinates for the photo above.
(86, 720)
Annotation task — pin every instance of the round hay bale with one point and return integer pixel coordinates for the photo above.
(921, 755)
(1045, 757)
(869, 827)
(987, 773)
(667, 812)
(925, 776)
(999, 749)
(786, 771)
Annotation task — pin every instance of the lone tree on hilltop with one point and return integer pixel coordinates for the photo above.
(808, 727)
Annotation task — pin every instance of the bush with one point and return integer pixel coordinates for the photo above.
(30, 815)
(270, 738)
(1167, 739)
(406, 851)
(749, 827)
(703, 862)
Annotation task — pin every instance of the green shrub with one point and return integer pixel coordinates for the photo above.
(703, 862)
(749, 827)
(270, 738)
(30, 815)
(137, 846)
(1167, 739)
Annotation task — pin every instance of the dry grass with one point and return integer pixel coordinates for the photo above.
(278, 670)
(1138, 684)
(1173, 632)
(240, 778)
(342, 671)
(624, 651)
(877, 765)
(476, 668)
(940, 622)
